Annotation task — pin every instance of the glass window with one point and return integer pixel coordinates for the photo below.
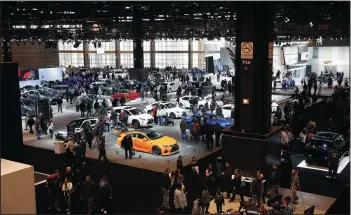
(179, 60)
(315, 52)
(107, 46)
(102, 60)
(171, 45)
(126, 45)
(71, 59)
(146, 45)
(196, 45)
(198, 60)
(147, 60)
(64, 46)
(127, 60)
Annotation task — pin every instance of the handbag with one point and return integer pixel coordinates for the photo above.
(132, 152)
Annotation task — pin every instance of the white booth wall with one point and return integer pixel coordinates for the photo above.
(330, 58)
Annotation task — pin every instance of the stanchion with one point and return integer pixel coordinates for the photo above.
(25, 121)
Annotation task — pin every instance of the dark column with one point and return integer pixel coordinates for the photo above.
(138, 34)
(253, 79)
(190, 54)
(152, 54)
(86, 54)
(255, 148)
(118, 53)
(6, 51)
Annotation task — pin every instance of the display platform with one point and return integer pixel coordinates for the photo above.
(306, 200)
(342, 165)
(17, 188)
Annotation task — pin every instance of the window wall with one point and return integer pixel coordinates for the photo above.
(126, 45)
(102, 60)
(171, 45)
(107, 46)
(147, 60)
(178, 60)
(146, 45)
(127, 60)
(71, 59)
(69, 46)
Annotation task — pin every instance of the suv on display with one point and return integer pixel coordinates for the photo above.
(317, 150)
(106, 89)
(166, 109)
(27, 110)
(61, 89)
(136, 117)
(77, 125)
(185, 101)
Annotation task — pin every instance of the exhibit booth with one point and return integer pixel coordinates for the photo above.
(17, 188)
(34, 76)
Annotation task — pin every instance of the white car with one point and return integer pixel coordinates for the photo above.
(184, 101)
(166, 109)
(138, 101)
(136, 117)
(118, 72)
(172, 86)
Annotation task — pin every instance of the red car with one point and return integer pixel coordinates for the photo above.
(128, 94)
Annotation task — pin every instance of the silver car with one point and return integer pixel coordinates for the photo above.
(27, 110)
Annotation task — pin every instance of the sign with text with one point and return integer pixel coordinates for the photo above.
(270, 50)
(247, 50)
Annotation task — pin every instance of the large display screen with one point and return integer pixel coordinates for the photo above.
(50, 74)
(28, 74)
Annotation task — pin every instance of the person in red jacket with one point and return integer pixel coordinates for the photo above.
(154, 114)
(121, 118)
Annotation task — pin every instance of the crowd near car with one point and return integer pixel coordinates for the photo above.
(166, 109)
(136, 117)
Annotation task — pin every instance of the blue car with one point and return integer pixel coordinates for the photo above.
(211, 119)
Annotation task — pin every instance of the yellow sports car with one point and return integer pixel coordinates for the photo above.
(151, 142)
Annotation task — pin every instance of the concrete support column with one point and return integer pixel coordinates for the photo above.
(152, 54)
(138, 51)
(86, 54)
(118, 53)
(190, 53)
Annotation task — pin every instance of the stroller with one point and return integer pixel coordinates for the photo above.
(166, 120)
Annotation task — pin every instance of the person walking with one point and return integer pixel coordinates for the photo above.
(180, 163)
(166, 184)
(30, 123)
(219, 200)
(67, 189)
(53, 183)
(237, 188)
(104, 193)
(113, 118)
(107, 123)
(217, 131)
(183, 126)
(274, 181)
(227, 174)
(37, 128)
(82, 108)
(59, 104)
(205, 200)
(333, 164)
(127, 145)
(89, 106)
(87, 194)
(96, 108)
(77, 102)
(180, 201)
(102, 149)
(209, 177)
(256, 188)
(51, 128)
(295, 185)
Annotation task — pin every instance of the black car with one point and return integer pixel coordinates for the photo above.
(317, 150)
(77, 125)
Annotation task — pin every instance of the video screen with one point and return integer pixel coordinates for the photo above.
(28, 74)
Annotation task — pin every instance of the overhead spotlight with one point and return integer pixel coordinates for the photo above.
(311, 24)
(340, 38)
(76, 44)
(99, 44)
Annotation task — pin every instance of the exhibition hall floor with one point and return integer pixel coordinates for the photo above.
(116, 154)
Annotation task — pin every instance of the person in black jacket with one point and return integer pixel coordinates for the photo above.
(274, 181)
(333, 164)
(102, 149)
(257, 188)
(88, 192)
(166, 184)
(59, 104)
(227, 174)
(82, 108)
(30, 123)
(217, 130)
(127, 145)
(104, 193)
(89, 106)
(207, 131)
(237, 188)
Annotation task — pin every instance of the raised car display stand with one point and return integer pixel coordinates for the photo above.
(17, 188)
(343, 163)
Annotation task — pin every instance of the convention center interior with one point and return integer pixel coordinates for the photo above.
(218, 107)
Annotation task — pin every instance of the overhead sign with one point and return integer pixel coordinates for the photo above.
(270, 50)
(247, 50)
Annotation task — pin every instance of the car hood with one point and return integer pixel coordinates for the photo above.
(176, 109)
(165, 140)
(145, 116)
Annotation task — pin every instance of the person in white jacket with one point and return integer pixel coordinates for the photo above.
(180, 201)
(66, 189)
(51, 128)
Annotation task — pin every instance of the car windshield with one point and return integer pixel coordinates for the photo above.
(136, 112)
(154, 135)
(170, 105)
(321, 143)
(75, 123)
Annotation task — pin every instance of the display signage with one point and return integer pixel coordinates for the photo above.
(270, 50)
(247, 50)
(304, 55)
(28, 74)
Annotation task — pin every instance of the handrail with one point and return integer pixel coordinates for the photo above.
(230, 132)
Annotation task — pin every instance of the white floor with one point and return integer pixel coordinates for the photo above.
(342, 165)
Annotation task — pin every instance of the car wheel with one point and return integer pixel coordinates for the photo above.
(136, 124)
(148, 112)
(156, 150)
(172, 115)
